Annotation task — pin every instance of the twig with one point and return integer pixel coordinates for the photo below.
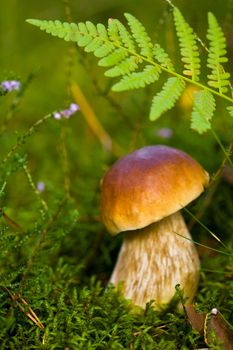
(23, 306)
(21, 140)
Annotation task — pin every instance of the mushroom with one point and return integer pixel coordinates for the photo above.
(142, 193)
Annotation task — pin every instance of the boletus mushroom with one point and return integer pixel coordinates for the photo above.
(142, 193)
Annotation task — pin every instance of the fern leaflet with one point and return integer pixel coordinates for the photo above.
(138, 79)
(113, 58)
(124, 67)
(230, 110)
(188, 46)
(140, 35)
(162, 57)
(203, 110)
(167, 97)
(218, 78)
(125, 36)
(66, 31)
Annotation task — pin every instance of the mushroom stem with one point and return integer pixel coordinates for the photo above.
(154, 259)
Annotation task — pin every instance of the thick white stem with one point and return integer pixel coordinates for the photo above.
(153, 260)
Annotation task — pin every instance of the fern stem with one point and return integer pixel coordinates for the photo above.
(227, 155)
(188, 80)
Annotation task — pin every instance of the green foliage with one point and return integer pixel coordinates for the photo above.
(162, 57)
(138, 80)
(140, 35)
(167, 97)
(203, 110)
(218, 78)
(133, 56)
(230, 110)
(188, 46)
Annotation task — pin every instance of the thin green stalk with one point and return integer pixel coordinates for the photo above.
(203, 245)
(21, 139)
(37, 193)
(227, 155)
(3, 188)
(213, 271)
(205, 227)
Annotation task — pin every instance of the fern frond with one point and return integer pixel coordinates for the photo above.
(162, 57)
(218, 78)
(139, 33)
(203, 110)
(137, 80)
(230, 110)
(66, 31)
(188, 46)
(167, 97)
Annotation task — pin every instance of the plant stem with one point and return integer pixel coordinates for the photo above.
(227, 155)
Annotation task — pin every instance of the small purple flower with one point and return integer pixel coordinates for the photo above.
(74, 107)
(66, 113)
(10, 85)
(165, 133)
(40, 186)
(57, 115)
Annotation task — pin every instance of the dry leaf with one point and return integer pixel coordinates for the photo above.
(213, 326)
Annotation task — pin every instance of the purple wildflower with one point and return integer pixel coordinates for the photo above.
(10, 85)
(40, 186)
(57, 115)
(165, 133)
(74, 107)
(66, 113)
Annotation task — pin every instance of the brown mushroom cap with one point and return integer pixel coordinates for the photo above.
(148, 185)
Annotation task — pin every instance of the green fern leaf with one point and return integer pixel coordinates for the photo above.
(218, 78)
(125, 67)
(93, 45)
(102, 31)
(91, 29)
(140, 35)
(66, 31)
(137, 80)
(230, 110)
(113, 30)
(125, 36)
(203, 110)
(113, 58)
(188, 46)
(162, 57)
(167, 97)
